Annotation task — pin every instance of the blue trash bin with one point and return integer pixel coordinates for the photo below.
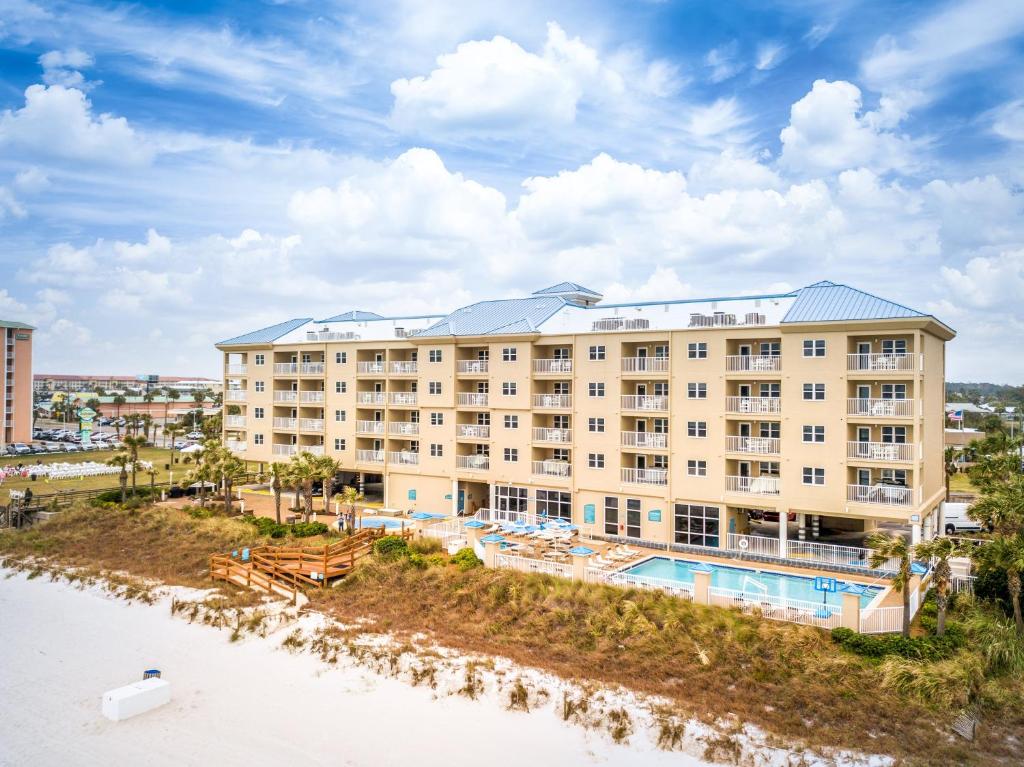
(151, 673)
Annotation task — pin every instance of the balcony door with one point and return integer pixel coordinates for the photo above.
(641, 425)
(863, 434)
(633, 517)
(863, 392)
(745, 350)
(641, 390)
(744, 430)
(864, 347)
(744, 390)
(744, 468)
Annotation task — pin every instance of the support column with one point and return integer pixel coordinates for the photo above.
(494, 497)
(580, 555)
(815, 526)
(701, 587)
(915, 533)
(851, 611)
(455, 497)
(491, 549)
(783, 531)
(801, 522)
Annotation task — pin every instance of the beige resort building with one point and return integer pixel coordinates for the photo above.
(677, 424)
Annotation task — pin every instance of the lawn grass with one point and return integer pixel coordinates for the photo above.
(961, 483)
(157, 455)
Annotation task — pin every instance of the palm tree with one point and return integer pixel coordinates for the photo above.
(1006, 552)
(350, 497)
(950, 460)
(122, 460)
(117, 402)
(278, 480)
(230, 469)
(328, 469)
(152, 472)
(171, 433)
(1001, 506)
(134, 420)
(304, 473)
(147, 423)
(886, 546)
(132, 445)
(169, 396)
(940, 549)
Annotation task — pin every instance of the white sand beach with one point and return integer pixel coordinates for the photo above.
(248, 702)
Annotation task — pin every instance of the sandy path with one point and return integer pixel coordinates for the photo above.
(247, 702)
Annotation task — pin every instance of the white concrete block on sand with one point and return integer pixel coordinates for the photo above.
(249, 702)
(135, 698)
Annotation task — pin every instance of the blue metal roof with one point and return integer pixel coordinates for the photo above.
(566, 287)
(267, 335)
(828, 302)
(356, 315)
(512, 315)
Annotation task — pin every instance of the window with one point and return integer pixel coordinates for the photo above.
(696, 391)
(339, 443)
(611, 516)
(260, 359)
(769, 429)
(696, 525)
(769, 468)
(434, 355)
(814, 433)
(437, 419)
(771, 390)
(697, 351)
(894, 434)
(633, 517)
(814, 476)
(511, 455)
(483, 419)
(595, 460)
(257, 412)
(597, 352)
(508, 388)
(595, 425)
(696, 428)
(595, 389)
(814, 347)
(770, 348)
(814, 391)
(894, 391)
(259, 386)
(339, 415)
(509, 498)
(560, 454)
(436, 450)
(340, 387)
(894, 346)
(341, 357)
(697, 468)
(511, 422)
(895, 476)
(509, 354)
(554, 503)
(434, 387)
(257, 439)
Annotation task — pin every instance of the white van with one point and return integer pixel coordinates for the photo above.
(955, 519)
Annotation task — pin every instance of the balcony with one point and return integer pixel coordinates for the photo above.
(402, 398)
(753, 485)
(890, 452)
(286, 396)
(880, 408)
(311, 424)
(404, 457)
(370, 398)
(369, 427)
(645, 476)
(234, 421)
(561, 469)
(473, 462)
(549, 367)
(285, 423)
(753, 445)
(311, 396)
(473, 431)
(404, 428)
(881, 495)
(472, 399)
(753, 405)
(884, 363)
(236, 445)
(647, 402)
(472, 367)
(234, 395)
(285, 450)
(236, 369)
(634, 365)
(552, 401)
(402, 368)
(311, 369)
(648, 440)
(545, 434)
(753, 363)
(286, 368)
(312, 449)
(369, 368)
(370, 456)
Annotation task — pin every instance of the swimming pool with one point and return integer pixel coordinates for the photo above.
(753, 582)
(385, 522)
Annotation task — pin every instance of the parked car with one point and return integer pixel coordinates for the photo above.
(53, 447)
(194, 435)
(20, 448)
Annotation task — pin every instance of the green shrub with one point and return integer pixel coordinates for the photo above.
(197, 512)
(267, 526)
(390, 547)
(466, 559)
(425, 545)
(929, 648)
(307, 529)
(142, 492)
(991, 585)
(417, 560)
(437, 560)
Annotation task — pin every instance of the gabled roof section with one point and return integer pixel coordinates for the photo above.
(566, 287)
(15, 325)
(830, 302)
(267, 335)
(356, 315)
(512, 315)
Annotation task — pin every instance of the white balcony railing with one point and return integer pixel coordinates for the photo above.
(285, 423)
(370, 456)
(311, 424)
(472, 366)
(312, 449)
(881, 408)
(286, 368)
(753, 485)
(552, 366)
(753, 363)
(473, 462)
(286, 396)
(898, 452)
(311, 368)
(885, 363)
(406, 428)
(234, 421)
(645, 364)
(402, 367)
(544, 434)
(552, 401)
(237, 369)
(235, 395)
(370, 397)
(237, 445)
(370, 368)
(311, 396)
(285, 449)
(551, 468)
(883, 495)
(755, 445)
(472, 430)
(402, 398)
(655, 402)
(649, 440)
(753, 405)
(645, 476)
(404, 457)
(472, 399)
(369, 427)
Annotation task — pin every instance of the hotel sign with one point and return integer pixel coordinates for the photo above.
(21, 336)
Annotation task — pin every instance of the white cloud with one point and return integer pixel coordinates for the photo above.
(664, 283)
(63, 68)
(155, 246)
(720, 118)
(769, 55)
(1008, 121)
(818, 33)
(31, 180)
(730, 170)
(723, 62)
(989, 282)
(9, 205)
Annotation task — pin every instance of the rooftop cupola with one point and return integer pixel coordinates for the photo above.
(571, 292)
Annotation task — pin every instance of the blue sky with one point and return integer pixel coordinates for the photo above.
(176, 173)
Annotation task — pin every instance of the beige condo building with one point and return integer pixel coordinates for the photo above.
(671, 423)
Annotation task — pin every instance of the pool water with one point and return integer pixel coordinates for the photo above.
(752, 582)
(385, 522)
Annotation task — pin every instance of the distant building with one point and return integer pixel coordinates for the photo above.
(46, 383)
(174, 409)
(15, 382)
